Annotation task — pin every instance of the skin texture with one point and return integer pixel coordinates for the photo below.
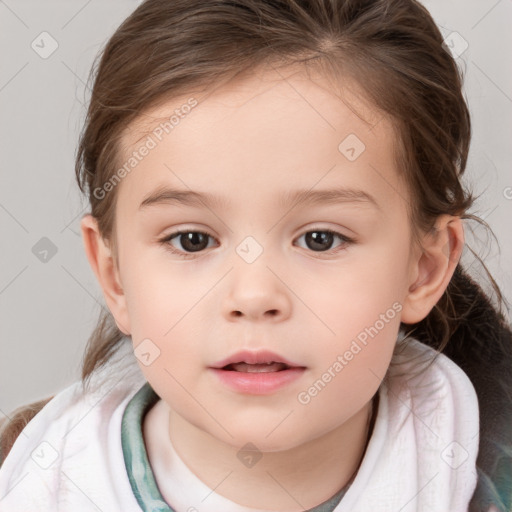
(250, 142)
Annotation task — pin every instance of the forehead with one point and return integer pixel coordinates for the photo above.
(268, 130)
(265, 86)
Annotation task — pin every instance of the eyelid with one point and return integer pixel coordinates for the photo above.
(323, 227)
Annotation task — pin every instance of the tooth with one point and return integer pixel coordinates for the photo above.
(260, 367)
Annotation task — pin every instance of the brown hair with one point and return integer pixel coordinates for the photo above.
(395, 53)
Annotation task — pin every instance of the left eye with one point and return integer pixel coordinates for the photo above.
(321, 240)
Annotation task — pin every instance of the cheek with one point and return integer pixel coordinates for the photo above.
(357, 296)
(160, 303)
(349, 371)
(157, 296)
(362, 309)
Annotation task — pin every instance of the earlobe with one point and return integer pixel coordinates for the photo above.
(434, 268)
(103, 265)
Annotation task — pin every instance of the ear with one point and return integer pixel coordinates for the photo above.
(433, 268)
(106, 271)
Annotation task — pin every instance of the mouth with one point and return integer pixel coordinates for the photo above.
(257, 373)
(244, 367)
(259, 361)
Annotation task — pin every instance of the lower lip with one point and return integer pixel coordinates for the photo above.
(258, 383)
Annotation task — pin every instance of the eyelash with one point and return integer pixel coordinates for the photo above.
(167, 239)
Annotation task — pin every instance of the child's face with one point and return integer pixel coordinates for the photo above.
(268, 277)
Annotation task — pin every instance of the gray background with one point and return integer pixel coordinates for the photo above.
(49, 302)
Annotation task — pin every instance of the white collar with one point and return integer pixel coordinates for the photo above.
(422, 453)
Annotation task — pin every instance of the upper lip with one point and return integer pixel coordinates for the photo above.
(254, 357)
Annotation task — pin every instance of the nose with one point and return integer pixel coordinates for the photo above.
(257, 292)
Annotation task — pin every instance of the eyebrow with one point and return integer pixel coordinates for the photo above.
(166, 195)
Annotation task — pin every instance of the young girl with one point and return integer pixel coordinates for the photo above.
(276, 224)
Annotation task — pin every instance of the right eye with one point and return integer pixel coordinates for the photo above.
(191, 242)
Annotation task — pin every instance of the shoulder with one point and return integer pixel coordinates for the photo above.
(445, 411)
(431, 382)
(71, 441)
(12, 426)
(444, 400)
(425, 438)
(433, 394)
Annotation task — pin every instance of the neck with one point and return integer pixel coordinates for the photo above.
(296, 479)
